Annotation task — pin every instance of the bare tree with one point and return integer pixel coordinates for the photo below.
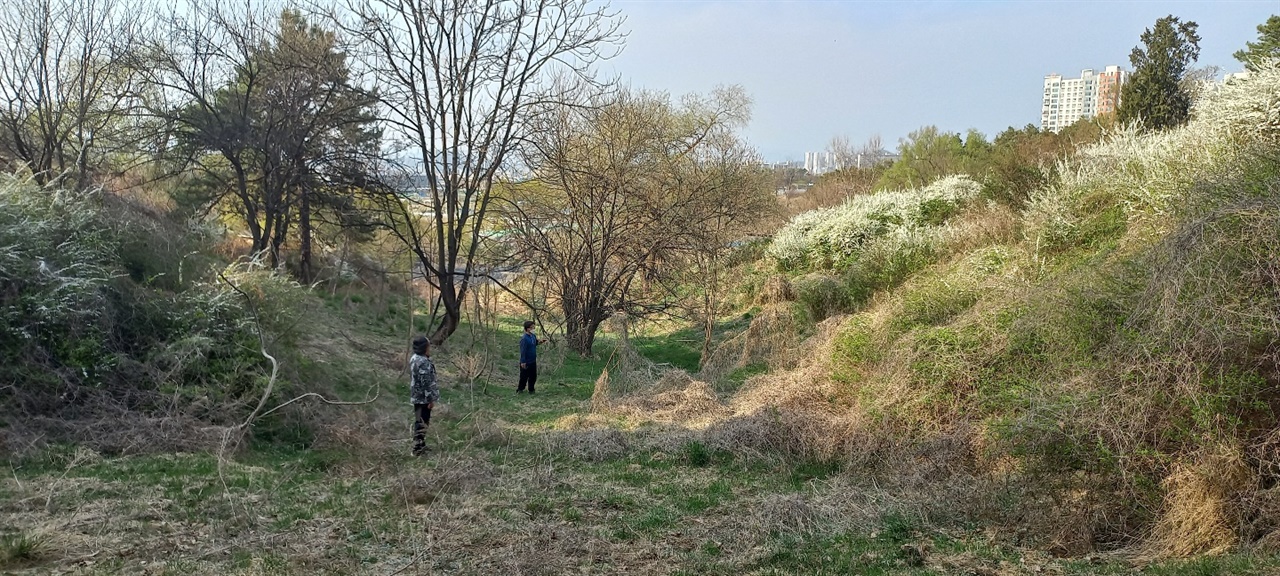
(191, 72)
(860, 168)
(842, 151)
(66, 85)
(632, 192)
(1199, 80)
(730, 194)
(457, 79)
(846, 155)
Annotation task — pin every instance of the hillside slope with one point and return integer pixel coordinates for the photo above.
(1096, 370)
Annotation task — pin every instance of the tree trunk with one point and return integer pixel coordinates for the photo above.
(581, 340)
(451, 306)
(580, 330)
(711, 275)
(279, 235)
(449, 321)
(304, 235)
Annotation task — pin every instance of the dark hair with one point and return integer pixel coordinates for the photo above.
(528, 324)
(420, 345)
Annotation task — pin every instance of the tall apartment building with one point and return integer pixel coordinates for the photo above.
(1067, 100)
(820, 162)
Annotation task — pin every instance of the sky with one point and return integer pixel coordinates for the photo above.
(817, 69)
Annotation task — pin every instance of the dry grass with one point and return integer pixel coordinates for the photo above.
(776, 290)
(992, 224)
(1201, 515)
(789, 513)
(772, 337)
(121, 434)
(591, 444)
(785, 412)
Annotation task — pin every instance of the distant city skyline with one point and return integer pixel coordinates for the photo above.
(821, 69)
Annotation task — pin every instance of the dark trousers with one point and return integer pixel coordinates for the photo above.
(421, 417)
(528, 375)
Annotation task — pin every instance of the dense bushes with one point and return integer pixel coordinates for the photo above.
(98, 314)
(874, 242)
(886, 223)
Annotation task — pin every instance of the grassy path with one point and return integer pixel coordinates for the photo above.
(512, 487)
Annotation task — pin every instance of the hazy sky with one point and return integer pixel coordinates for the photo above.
(818, 69)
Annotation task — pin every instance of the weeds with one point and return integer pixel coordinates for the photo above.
(22, 547)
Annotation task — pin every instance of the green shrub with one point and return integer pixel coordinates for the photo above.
(103, 305)
(934, 302)
(696, 454)
(22, 547)
(821, 294)
(854, 349)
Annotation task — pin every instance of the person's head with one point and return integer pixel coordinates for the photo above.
(421, 346)
(528, 325)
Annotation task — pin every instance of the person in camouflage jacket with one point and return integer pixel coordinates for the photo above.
(423, 391)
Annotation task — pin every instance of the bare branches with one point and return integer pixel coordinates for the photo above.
(67, 86)
(261, 105)
(457, 81)
(258, 411)
(262, 343)
(632, 191)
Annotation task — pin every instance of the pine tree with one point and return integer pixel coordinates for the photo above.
(1266, 49)
(1154, 93)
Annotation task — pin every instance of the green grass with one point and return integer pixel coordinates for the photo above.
(680, 349)
(22, 547)
(809, 470)
(736, 378)
(374, 505)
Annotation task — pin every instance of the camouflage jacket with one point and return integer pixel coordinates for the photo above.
(422, 380)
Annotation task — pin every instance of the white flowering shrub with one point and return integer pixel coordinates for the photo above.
(54, 262)
(75, 322)
(830, 237)
(1156, 175)
(1245, 109)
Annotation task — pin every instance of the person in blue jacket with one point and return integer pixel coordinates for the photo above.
(528, 358)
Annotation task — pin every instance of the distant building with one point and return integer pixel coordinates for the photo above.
(785, 165)
(869, 159)
(819, 162)
(410, 185)
(822, 162)
(1067, 100)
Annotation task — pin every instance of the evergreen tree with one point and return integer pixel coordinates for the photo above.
(285, 141)
(1266, 49)
(1154, 93)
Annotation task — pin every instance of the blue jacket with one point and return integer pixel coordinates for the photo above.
(528, 348)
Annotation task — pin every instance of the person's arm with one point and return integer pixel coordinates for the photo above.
(433, 387)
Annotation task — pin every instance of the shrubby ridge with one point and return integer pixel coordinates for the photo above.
(1116, 357)
(1098, 369)
(115, 320)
